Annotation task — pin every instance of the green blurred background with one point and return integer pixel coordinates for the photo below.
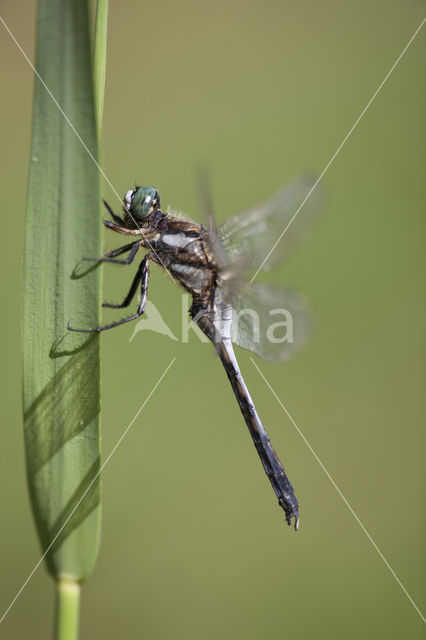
(193, 543)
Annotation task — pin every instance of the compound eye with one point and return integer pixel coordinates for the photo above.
(141, 201)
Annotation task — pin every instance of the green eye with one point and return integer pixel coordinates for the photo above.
(142, 201)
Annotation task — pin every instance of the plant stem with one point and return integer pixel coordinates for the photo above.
(67, 609)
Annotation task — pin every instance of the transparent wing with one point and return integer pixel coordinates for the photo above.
(269, 320)
(249, 236)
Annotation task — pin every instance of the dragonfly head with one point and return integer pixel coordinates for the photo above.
(141, 201)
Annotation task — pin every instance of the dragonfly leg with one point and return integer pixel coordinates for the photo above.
(109, 255)
(144, 277)
(119, 251)
(127, 300)
(116, 218)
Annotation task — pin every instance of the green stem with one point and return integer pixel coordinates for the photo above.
(67, 609)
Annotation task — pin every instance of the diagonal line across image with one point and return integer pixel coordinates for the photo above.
(312, 189)
(95, 477)
(80, 139)
(338, 490)
(255, 275)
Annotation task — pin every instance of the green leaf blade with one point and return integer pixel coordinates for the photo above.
(61, 370)
(99, 58)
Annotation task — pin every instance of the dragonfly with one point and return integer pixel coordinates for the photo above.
(212, 263)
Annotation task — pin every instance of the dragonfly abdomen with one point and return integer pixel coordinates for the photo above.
(267, 454)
